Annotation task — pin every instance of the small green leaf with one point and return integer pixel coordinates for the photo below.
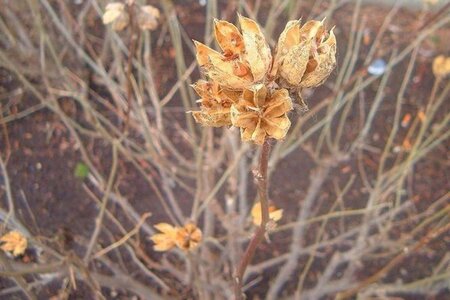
(81, 170)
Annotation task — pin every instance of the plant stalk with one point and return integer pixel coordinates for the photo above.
(260, 176)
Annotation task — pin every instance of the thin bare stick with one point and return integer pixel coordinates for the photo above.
(261, 183)
(99, 220)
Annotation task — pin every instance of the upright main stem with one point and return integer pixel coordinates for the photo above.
(261, 183)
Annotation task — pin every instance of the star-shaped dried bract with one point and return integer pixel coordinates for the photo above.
(275, 214)
(246, 56)
(188, 237)
(261, 114)
(165, 240)
(215, 104)
(305, 55)
(13, 242)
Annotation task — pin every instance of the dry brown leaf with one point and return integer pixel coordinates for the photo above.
(13, 242)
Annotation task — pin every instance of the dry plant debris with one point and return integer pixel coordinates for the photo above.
(13, 242)
(441, 66)
(275, 214)
(117, 14)
(248, 87)
(186, 238)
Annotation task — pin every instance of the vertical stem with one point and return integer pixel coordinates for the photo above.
(261, 184)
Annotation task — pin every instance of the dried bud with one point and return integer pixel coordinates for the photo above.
(148, 17)
(261, 114)
(305, 55)
(246, 57)
(215, 104)
(441, 66)
(116, 14)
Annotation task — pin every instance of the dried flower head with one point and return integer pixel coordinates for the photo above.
(245, 57)
(13, 242)
(148, 17)
(261, 113)
(215, 104)
(305, 55)
(245, 70)
(166, 240)
(275, 214)
(117, 14)
(441, 66)
(188, 237)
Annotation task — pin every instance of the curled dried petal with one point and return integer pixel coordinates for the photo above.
(441, 66)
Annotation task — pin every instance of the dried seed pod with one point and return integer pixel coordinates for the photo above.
(305, 55)
(116, 14)
(188, 237)
(441, 66)
(215, 104)
(148, 17)
(262, 114)
(246, 57)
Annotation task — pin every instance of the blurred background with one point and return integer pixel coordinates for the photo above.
(96, 147)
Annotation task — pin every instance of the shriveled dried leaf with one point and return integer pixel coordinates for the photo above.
(13, 242)
(148, 17)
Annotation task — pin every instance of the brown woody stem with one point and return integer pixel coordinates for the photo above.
(261, 183)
